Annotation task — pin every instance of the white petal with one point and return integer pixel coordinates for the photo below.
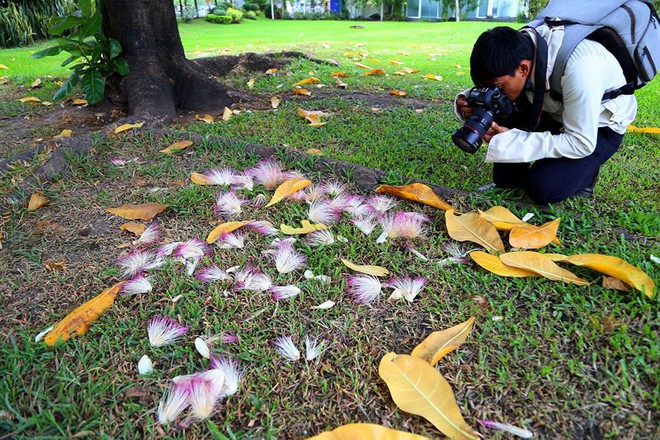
(41, 335)
(145, 366)
(309, 274)
(326, 305)
(528, 216)
(202, 348)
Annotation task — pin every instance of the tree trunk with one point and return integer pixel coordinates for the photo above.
(162, 80)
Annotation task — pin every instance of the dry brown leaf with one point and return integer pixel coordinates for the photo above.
(287, 188)
(440, 343)
(377, 271)
(528, 236)
(341, 84)
(200, 179)
(177, 146)
(471, 227)
(315, 151)
(55, 266)
(225, 228)
(144, 211)
(401, 93)
(304, 92)
(80, 320)
(306, 228)
(395, 62)
(339, 75)
(373, 72)
(612, 266)
(492, 263)
(37, 200)
(36, 83)
(206, 118)
(2, 66)
(126, 127)
(417, 192)
(366, 431)
(418, 388)
(63, 134)
(226, 114)
(275, 102)
(311, 80)
(615, 283)
(135, 228)
(542, 265)
(79, 101)
(30, 99)
(410, 70)
(271, 71)
(362, 66)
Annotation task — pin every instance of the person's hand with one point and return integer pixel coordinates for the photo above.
(494, 130)
(463, 109)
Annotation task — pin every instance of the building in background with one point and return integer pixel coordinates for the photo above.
(434, 10)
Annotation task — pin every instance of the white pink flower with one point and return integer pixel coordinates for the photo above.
(212, 273)
(520, 432)
(260, 200)
(251, 278)
(205, 391)
(366, 223)
(334, 188)
(364, 288)
(407, 288)
(231, 372)
(222, 177)
(456, 254)
(173, 402)
(151, 235)
(163, 330)
(139, 261)
(287, 348)
(229, 204)
(312, 348)
(323, 237)
(356, 206)
(380, 203)
(284, 292)
(268, 173)
(231, 240)
(286, 258)
(243, 181)
(137, 285)
(194, 248)
(320, 211)
(263, 227)
(402, 224)
(416, 253)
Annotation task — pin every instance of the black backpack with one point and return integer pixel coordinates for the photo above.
(630, 30)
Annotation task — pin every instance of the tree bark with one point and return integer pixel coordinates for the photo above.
(162, 80)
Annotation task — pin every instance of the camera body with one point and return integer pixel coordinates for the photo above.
(488, 102)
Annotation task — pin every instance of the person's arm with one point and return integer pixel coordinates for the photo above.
(583, 85)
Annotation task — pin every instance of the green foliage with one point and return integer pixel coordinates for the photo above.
(250, 15)
(235, 14)
(22, 21)
(219, 11)
(218, 19)
(251, 7)
(534, 7)
(98, 56)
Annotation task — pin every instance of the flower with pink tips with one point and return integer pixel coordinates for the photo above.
(205, 391)
(287, 348)
(174, 402)
(231, 240)
(194, 248)
(284, 292)
(334, 188)
(263, 227)
(364, 288)
(324, 237)
(313, 349)
(243, 181)
(456, 254)
(139, 261)
(212, 273)
(402, 224)
(163, 330)
(230, 370)
(407, 288)
(381, 203)
(229, 204)
(511, 429)
(366, 223)
(251, 278)
(267, 173)
(137, 285)
(321, 211)
(222, 177)
(286, 258)
(260, 200)
(150, 236)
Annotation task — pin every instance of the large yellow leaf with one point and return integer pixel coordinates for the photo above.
(492, 263)
(126, 127)
(135, 228)
(287, 188)
(201, 179)
(80, 320)
(533, 237)
(36, 83)
(30, 99)
(418, 388)
(542, 265)
(176, 146)
(304, 92)
(366, 431)
(224, 228)
(377, 271)
(306, 81)
(438, 344)
(145, 211)
(339, 75)
(206, 118)
(306, 228)
(471, 227)
(417, 192)
(612, 266)
(650, 130)
(501, 218)
(375, 72)
(37, 200)
(433, 77)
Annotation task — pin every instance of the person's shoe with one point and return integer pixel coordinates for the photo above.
(588, 192)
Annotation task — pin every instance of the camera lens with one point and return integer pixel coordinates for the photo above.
(470, 136)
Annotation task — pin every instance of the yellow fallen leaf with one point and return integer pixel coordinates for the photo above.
(30, 99)
(201, 179)
(63, 134)
(135, 228)
(2, 66)
(224, 228)
(349, 54)
(271, 71)
(471, 227)
(126, 127)
(400, 72)
(362, 66)
(438, 344)
(80, 320)
(47, 103)
(648, 130)
(410, 70)
(341, 84)
(36, 83)
(275, 102)
(395, 62)
(417, 192)
(306, 228)
(144, 211)
(37, 200)
(79, 101)
(366, 431)
(226, 114)
(176, 146)
(418, 388)
(315, 151)
(375, 72)
(374, 60)
(287, 188)
(250, 83)
(339, 75)
(612, 266)
(398, 93)
(492, 263)
(542, 265)
(306, 81)
(433, 77)
(55, 266)
(377, 271)
(501, 218)
(301, 92)
(206, 118)
(528, 236)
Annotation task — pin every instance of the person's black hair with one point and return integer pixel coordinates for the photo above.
(498, 52)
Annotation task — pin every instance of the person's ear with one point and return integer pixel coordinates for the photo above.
(525, 68)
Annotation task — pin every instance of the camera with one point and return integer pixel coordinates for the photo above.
(488, 102)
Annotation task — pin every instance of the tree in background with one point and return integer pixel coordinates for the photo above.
(22, 22)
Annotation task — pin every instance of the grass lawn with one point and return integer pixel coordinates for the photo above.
(564, 361)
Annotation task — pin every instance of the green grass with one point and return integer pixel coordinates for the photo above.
(556, 358)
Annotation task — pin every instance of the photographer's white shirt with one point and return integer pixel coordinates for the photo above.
(591, 70)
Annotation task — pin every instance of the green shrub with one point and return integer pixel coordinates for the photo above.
(220, 10)
(235, 14)
(218, 19)
(251, 7)
(250, 15)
